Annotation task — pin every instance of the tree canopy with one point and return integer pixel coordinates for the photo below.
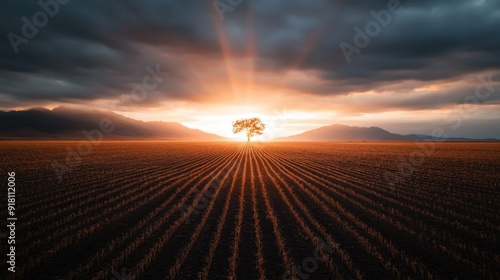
(251, 126)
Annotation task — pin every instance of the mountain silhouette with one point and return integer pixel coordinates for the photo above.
(68, 123)
(338, 132)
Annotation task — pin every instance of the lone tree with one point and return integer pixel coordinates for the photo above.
(252, 126)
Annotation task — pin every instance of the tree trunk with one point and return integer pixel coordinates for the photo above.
(248, 137)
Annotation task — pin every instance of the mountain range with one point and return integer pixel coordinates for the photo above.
(68, 123)
(65, 123)
(338, 132)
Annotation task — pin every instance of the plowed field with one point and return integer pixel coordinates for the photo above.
(162, 210)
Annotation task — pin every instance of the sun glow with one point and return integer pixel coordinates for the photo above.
(278, 123)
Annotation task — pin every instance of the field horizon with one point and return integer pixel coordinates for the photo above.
(72, 123)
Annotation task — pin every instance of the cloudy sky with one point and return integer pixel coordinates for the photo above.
(406, 66)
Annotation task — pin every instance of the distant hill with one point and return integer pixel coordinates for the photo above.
(68, 123)
(338, 132)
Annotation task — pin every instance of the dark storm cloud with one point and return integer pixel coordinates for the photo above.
(98, 49)
(462, 97)
(92, 49)
(425, 41)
